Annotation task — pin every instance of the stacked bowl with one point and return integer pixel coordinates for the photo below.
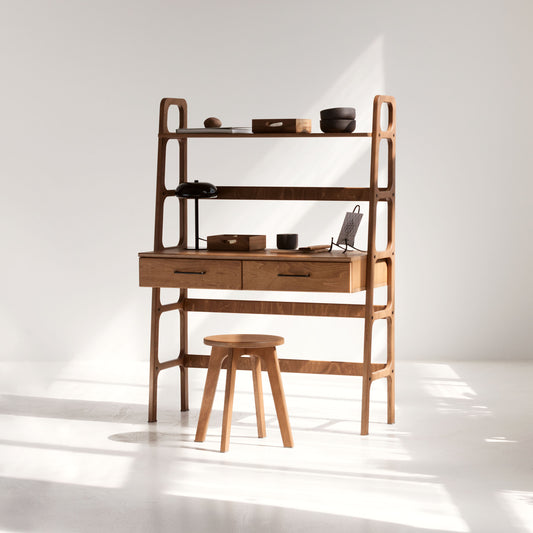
(337, 120)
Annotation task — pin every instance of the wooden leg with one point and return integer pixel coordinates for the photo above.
(152, 398)
(390, 379)
(154, 358)
(278, 395)
(228, 400)
(184, 388)
(215, 362)
(365, 407)
(258, 394)
(184, 343)
(390, 399)
(367, 372)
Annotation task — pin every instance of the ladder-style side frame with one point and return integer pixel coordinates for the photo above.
(373, 256)
(373, 194)
(157, 308)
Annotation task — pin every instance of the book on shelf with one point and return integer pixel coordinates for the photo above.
(215, 130)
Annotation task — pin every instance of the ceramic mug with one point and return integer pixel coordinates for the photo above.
(287, 241)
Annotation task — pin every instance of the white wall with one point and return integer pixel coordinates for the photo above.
(81, 85)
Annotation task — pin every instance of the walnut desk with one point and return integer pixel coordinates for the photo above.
(273, 270)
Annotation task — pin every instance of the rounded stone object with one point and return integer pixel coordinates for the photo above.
(212, 122)
(337, 126)
(347, 113)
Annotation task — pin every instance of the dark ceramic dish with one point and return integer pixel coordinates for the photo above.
(337, 126)
(338, 113)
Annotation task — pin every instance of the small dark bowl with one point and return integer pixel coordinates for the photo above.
(287, 241)
(347, 113)
(337, 126)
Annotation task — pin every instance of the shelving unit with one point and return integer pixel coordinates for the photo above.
(270, 270)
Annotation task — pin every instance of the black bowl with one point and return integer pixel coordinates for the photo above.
(337, 126)
(347, 113)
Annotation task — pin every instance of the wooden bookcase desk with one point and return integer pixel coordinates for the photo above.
(273, 270)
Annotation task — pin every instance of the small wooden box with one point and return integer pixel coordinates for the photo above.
(239, 243)
(281, 125)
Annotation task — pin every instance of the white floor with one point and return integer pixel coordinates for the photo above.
(76, 454)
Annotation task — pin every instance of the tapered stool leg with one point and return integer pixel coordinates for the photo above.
(232, 347)
(215, 363)
(258, 394)
(228, 400)
(274, 375)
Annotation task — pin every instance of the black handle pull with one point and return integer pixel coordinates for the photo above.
(295, 275)
(182, 272)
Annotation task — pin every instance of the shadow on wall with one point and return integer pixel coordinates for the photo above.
(296, 162)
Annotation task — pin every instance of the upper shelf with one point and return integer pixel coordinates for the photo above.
(388, 133)
(256, 135)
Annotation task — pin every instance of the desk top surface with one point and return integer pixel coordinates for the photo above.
(336, 256)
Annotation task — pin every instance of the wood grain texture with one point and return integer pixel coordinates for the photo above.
(161, 194)
(154, 355)
(281, 125)
(189, 273)
(184, 348)
(298, 366)
(296, 276)
(278, 394)
(243, 341)
(258, 396)
(317, 194)
(229, 394)
(240, 243)
(264, 307)
(218, 355)
(366, 270)
(336, 256)
(231, 353)
(261, 135)
(372, 257)
(280, 271)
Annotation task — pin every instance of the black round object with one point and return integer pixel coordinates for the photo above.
(287, 241)
(338, 113)
(337, 126)
(196, 189)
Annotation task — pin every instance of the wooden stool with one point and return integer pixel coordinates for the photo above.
(258, 347)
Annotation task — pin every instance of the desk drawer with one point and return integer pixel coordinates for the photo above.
(314, 276)
(189, 273)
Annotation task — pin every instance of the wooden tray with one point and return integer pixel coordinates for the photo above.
(281, 125)
(239, 243)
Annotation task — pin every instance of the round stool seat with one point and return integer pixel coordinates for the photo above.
(244, 341)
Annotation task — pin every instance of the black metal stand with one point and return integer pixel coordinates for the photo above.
(196, 239)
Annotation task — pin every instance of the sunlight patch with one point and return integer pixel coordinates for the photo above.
(520, 503)
(406, 502)
(60, 466)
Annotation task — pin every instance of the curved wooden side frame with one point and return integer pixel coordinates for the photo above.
(376, 194)
(163, 113)
(161, 193)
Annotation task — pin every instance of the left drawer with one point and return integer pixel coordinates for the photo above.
(190, 273)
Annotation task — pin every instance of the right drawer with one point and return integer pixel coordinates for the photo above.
(316, 276)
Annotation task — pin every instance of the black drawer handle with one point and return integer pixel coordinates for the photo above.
(182, 272)
(295, 275)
